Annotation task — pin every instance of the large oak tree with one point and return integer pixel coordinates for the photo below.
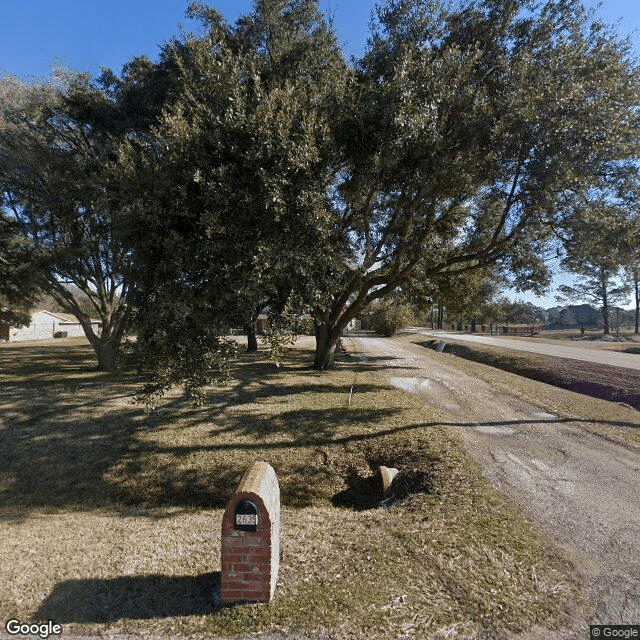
(464, 131)
(230, 190)
(451, 145)
(255, 163)
(56, 139)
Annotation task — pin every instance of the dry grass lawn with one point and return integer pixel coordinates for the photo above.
(593, 339)
(110, 517)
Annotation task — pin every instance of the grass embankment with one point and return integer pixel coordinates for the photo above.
(592, 339)
(110, 517)
(617, 418)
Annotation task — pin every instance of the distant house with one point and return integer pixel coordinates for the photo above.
(303, 324)
(354, 324)
(47, 324)
(261, 321)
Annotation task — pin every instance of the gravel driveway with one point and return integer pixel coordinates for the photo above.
(582, 490)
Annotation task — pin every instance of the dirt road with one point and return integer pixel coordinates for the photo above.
(613, 358)
(582, 490)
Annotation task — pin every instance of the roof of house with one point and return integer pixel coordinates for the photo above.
(65, 318)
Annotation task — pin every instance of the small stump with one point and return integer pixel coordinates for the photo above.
(385, 476)
(251, 538)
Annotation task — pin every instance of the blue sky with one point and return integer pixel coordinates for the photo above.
(87, 34)
(84, 34)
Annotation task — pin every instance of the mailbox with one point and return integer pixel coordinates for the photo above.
(250, 553)
(246, 516)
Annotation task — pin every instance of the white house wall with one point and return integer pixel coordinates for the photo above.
(44, 326)
(75, 330)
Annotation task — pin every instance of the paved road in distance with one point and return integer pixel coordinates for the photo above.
(613, 358)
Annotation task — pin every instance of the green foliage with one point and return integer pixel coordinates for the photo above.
(304, 325)
(389, 316)
(252, 163)
(56, 141)
(280, 333)
(245, 148)
(464, 295)
(18, 287)
(518, 312)
(464, 129)
(186, 349)
(448, 148)
(594, 245)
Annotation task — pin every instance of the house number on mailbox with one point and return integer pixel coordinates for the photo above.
(246, 516)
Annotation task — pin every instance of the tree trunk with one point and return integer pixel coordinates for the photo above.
(251, 327)
(252, 340)
(474, 327)
(605, 315)
(636, 286)
(605, 318)
(440, 316)
(603, 282)
(325, 347)
(107, 352)
(114, 318)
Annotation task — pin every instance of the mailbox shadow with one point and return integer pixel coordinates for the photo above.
(96, 600)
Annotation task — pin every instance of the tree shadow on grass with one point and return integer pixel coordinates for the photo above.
(71, 438)
(101, 601)
(84, 446)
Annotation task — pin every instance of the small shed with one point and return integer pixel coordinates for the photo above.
(520, 329)
(48, 324)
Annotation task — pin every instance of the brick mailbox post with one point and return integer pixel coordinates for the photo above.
(251, 537)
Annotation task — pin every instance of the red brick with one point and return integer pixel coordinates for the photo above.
(249, 554)
(255, 542)
(235, 557)
(234, 545)
(233, 585)
(255, 595)
(255, 577)
(260, 551)
(232, 594)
